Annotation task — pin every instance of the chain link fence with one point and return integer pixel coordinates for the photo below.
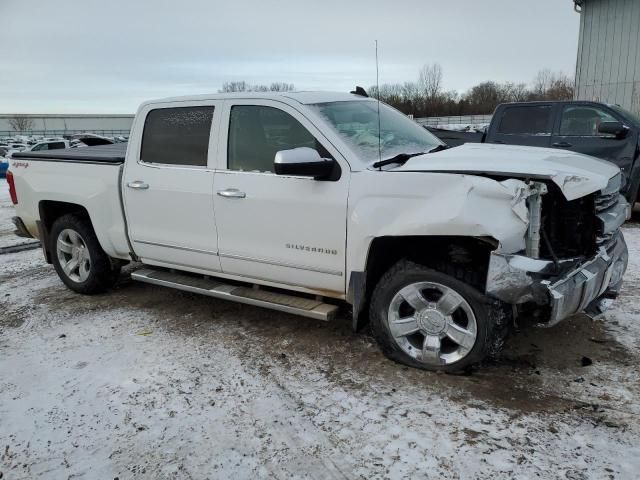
(455, 120)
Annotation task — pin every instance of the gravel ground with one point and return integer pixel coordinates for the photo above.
(146, 382)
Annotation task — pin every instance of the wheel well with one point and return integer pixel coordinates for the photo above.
(466, 258)
(50, 211)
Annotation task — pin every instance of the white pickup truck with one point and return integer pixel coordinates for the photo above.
(304, 202)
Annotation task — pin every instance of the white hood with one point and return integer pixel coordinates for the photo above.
(577, 175)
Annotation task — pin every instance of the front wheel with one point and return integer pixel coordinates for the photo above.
(78, 257)
(429, 320)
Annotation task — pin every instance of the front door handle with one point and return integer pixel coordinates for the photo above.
(561, 145)
(138, 185)
(232, 193)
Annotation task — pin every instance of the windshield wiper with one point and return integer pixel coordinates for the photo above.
(439, 148)
(400, 158)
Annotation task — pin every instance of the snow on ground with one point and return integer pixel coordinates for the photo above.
(463, 127)
(146, 382)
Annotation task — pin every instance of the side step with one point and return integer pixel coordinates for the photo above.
(295, 305)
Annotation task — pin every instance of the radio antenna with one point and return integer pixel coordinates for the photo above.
(378, 95)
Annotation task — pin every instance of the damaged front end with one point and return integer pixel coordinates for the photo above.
(575, 255)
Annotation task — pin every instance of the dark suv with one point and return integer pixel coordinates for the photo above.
(604, 131)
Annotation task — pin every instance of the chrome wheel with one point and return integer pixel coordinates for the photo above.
(432, 323)
(73, 255)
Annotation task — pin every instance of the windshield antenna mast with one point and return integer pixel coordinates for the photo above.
(378, 96)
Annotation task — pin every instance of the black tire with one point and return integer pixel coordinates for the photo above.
(103, 272)
(491, 317)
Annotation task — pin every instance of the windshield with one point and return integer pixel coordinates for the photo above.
(357, 122)
(627, 114)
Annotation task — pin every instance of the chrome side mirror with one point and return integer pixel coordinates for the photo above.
(303, 162)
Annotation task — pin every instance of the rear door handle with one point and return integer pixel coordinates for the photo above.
(561, 145)
(232, 193)
(138, 185)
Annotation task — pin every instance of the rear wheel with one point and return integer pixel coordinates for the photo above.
(78, 257)
(427, 319)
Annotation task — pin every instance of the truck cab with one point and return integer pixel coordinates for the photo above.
(604, 131)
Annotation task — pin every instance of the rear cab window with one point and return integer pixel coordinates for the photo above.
(526, 120)
(177, 136)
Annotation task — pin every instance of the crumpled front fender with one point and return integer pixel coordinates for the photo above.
(433, 204)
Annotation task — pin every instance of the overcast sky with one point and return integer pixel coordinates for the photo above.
(106, 56)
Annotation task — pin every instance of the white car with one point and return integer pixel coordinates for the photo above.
(50, 145)
(303, 202)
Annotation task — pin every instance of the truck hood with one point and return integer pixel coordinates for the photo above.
(576, 174)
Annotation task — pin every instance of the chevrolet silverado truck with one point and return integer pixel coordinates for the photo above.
(306, 202)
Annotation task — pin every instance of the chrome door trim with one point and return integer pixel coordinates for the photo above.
(187, 249)
(281, 264)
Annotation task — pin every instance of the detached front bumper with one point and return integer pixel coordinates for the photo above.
(582, 285)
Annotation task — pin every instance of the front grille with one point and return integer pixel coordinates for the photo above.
(568, 226)
(604, 201)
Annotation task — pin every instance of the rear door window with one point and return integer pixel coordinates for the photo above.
(56, 145)
(177, 136)
(526, 120)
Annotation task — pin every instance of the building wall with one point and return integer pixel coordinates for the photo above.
(608, 66)
(72, 123)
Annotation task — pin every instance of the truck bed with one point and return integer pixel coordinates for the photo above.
(113, 154)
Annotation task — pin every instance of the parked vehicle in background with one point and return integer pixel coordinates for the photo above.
(17, 147)
(42, 147)
(304, 197)
(49, 145)
(604, 131)
(4, 162)
(92, 140)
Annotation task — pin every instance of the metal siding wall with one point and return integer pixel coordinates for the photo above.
(608, 66)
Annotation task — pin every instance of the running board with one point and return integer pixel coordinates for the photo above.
(306, 307)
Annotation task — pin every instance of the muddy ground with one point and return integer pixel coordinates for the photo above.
(147, 382)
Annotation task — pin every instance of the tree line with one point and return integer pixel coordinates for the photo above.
(242, 86)
(427, 97)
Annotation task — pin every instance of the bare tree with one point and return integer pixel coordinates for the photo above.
(21, 123)
(430, 80)
(550, 85)
(542, 82)
(242, 86)
(282, 87)
(561, 88)
(230, 87)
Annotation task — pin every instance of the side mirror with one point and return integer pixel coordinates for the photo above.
(303, 162)
(617, 129)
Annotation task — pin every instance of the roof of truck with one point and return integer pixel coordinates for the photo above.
(301, 97)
